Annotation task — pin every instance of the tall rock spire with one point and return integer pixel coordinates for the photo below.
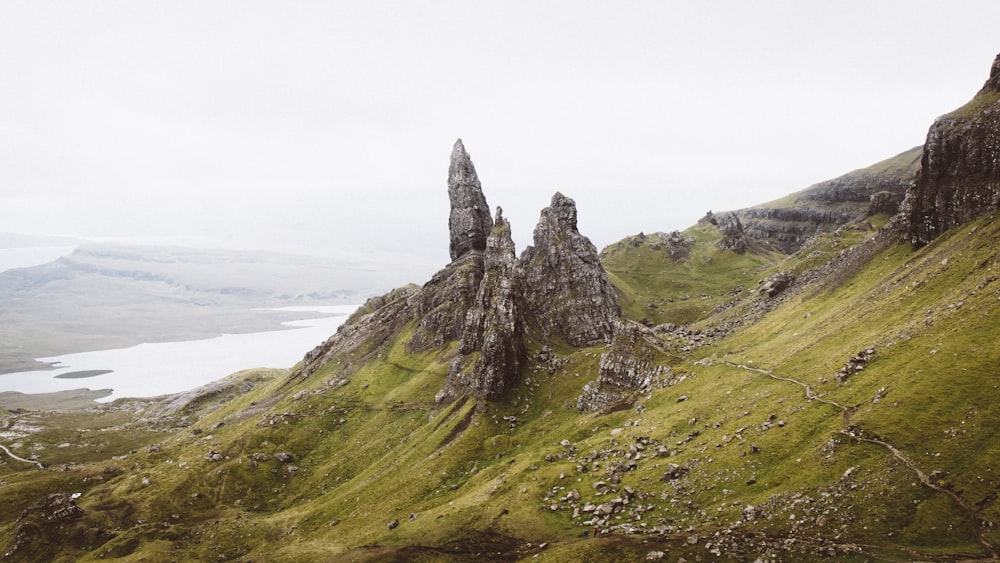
(470, 222)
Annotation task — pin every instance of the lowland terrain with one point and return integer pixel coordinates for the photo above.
(731, 392)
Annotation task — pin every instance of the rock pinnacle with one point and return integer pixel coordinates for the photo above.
(470, 222)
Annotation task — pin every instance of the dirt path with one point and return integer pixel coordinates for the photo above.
(856, 434)
(18, 458)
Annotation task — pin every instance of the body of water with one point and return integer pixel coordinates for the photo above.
(149, 370)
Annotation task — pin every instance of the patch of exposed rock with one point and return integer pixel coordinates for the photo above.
(855, 364)
(960, 170)
(491, 351)
(776, 283)
(565, 289)
(443, 302)
(625, 368)
(733, 236)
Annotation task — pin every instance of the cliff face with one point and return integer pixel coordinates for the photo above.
(566, 290)
(788, 223)
(960, 170)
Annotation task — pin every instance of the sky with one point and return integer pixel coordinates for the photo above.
(326, 127)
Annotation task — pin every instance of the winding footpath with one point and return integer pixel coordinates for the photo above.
(19, 458)
(856, 434)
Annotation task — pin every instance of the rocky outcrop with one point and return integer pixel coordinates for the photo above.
(960, 170)
(491, 351)
(627, 367)
(776, 283)
(445, 300)
(469, 222)
(565, 289)
(486, 298)
(733, 236)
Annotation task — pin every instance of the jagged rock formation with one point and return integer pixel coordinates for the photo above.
(960, 170)
(625, 368)
(776, 283)
(486, 297)
(565, 289)
(492, 347)
(733, 236)
(469, 221)
(788, 223)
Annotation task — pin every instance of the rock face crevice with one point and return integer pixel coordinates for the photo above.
(959, 176)
(566, 291)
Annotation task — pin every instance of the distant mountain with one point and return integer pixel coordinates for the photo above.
(105, 295)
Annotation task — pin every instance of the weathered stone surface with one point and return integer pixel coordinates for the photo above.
(960, 170)
(884, 202)
(776, 283)
(733, 236)
(444, 302)
(565, 289)
(469, 222)
(625, 368)
(492, 347)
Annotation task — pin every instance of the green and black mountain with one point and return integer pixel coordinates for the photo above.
(812, 379)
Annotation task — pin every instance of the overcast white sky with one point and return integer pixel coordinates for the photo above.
(327, 126)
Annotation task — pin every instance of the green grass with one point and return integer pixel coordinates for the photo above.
(656, 289)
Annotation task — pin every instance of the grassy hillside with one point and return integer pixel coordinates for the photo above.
(753, 449)
(656, 288)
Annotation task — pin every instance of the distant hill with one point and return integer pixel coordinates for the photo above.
(104, 296)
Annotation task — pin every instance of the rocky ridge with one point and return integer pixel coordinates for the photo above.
(787, 224)
(491, 351)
